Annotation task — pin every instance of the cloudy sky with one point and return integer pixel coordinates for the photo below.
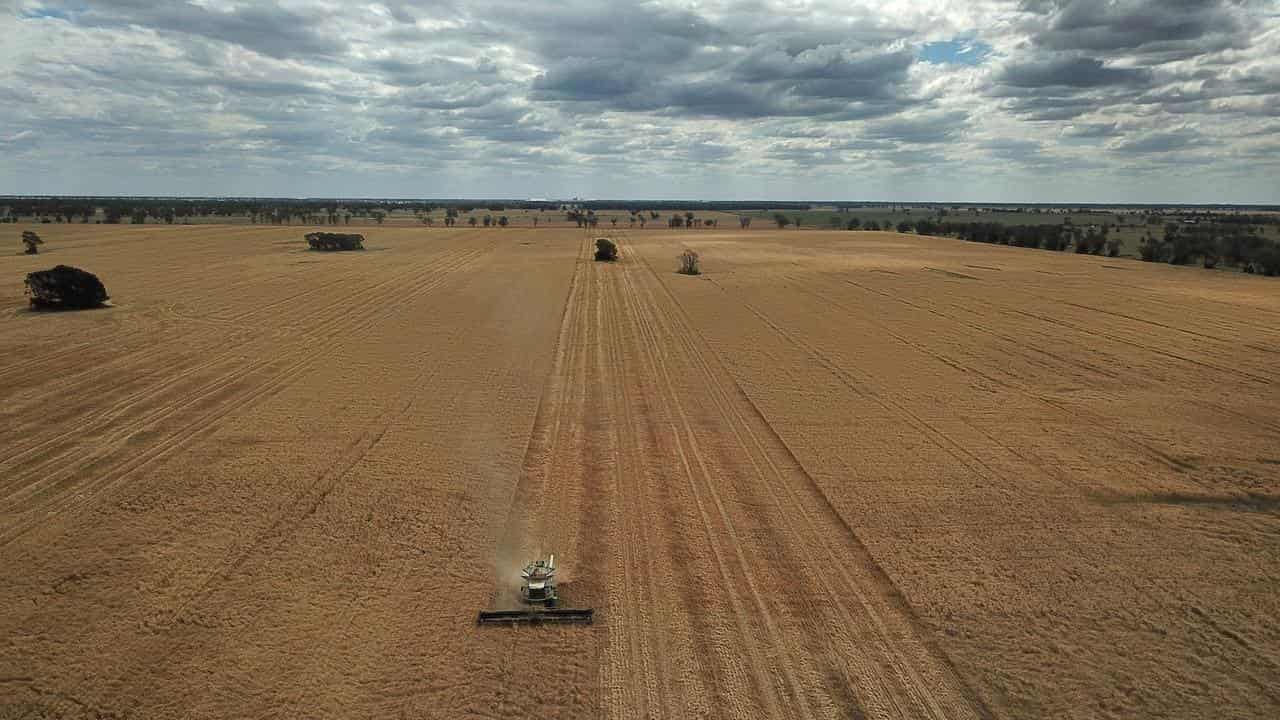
(986, 101)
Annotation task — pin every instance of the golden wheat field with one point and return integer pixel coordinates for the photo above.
(839, 475)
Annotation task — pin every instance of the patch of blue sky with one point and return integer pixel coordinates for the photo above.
(959, 51)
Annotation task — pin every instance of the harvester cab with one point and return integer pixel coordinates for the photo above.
(539, 596)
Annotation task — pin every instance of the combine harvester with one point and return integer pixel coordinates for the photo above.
(538, 593)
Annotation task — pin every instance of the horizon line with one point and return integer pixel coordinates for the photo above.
(762, 203)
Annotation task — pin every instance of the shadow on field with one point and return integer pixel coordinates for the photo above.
(1245, 502)
(361, 251)
(27, 310)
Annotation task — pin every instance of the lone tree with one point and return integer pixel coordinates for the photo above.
(606, 250)
(65, 288)
(335, 241)
(689, 263)
(32, 241)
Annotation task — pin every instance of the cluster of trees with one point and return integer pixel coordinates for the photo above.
(688, 220)
(589, 219)
(583, 219)
(1212, 244)
(857, 224)
(729, 206)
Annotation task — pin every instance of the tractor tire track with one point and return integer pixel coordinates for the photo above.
(89, 380)
(47, 362)
(777, 683)
(108, 415)
(303, 505)
(909, 687)
(644, 684)
(539, 518)
(65, 501)
(1119, 434)
(112, 440)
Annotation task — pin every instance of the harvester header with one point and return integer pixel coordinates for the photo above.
(540, 598)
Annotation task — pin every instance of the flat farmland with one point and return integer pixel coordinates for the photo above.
(839, 475)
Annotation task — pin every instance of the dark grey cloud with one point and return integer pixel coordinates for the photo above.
(647, 33)
(1196, 95)
(406, 72)
(269, 29)
(1160, 142)
(1159, 29)
(857, 74)
(591, 79)
(765, 82)
(1073, 72)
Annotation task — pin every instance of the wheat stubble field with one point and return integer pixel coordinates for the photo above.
(840, 475)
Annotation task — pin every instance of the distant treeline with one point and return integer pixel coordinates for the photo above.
(138, 210)
(277, 211)
(1210, 243)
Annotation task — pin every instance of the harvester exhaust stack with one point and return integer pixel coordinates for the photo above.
(538, 593)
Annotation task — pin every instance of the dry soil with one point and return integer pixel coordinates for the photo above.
(839, 475)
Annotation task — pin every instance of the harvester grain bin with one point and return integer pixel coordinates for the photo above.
(539, 582)
(335, 241)
(65, 288)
